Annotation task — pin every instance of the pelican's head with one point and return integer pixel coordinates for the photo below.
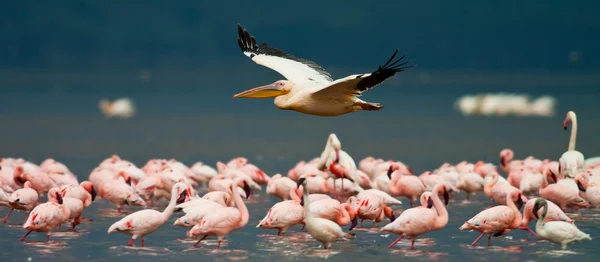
(278, 88)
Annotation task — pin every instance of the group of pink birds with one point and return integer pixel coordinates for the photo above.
(323, 195)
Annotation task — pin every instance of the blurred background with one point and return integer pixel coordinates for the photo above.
(180, 64)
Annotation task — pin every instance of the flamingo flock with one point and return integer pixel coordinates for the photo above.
(329, 196)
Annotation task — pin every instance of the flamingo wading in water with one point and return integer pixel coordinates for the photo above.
(309, 89)
(144, 222)
(559, 232)
(224, 220)
(420, 220)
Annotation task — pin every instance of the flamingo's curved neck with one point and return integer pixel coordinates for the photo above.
(172, 203)
(573, 139)
(540, 222)
(294, 194)
(307, 215)
(517, 214)
(492, 183)
(241, 206)
(442, 218)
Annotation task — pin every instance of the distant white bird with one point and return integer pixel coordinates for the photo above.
(309, 89)
(505, 104)
(122, 107)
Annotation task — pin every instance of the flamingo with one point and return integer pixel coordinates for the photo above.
(372, 207)
(309, 88)
(280, 186)
(506, 160)
(25, 199)
(403, 185)
(340, 213)
(196, 209)
(385, 197)
(84, 191)
(224, 220)
(223, 198)
(282, 216)
(471, 182)
(554, 214)
(296, 195)
(40, 181)
(497, 220)
(144, 222)
(75, 206)
(420, 220)
(559, 232)
(571, 162)
(590, 189)
(564, 193)
(323, 230)
(47, 216)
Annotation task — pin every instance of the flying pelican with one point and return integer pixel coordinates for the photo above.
(309, 89)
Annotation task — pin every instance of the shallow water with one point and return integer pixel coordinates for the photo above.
(418, 129)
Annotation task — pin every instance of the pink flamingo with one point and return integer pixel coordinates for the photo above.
(196, 209)
(282, 216)
(144, 222)
(563, 193)
(224, 220)
(403, 185)
(501, 190)
(220, 197)
(498, 220)
(280, 186)
(40, 181)
(323, 230)
(255, 174)
(372, 207)
(588, 187)
(339, 171)
(118, 192)
(420, 220)
(554, 214)
(295, 172)
(75, 206)
(470, 182)
(25, 199)
(506, 160)
(84, 192)
(47, 216)
(335, 186)
(332, 209)
(571, 162)
(296, 195)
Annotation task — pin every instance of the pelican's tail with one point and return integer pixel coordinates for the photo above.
(370, 106)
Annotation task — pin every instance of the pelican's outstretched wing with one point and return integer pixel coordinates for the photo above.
(354, 85)
(293, 68)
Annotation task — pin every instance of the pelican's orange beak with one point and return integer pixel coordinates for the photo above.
(262, 92)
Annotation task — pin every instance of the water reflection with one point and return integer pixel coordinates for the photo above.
(141, 251)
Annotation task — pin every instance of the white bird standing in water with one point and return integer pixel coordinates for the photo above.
(309, 89)
(322, 230)
(559, 232)
(122, 107)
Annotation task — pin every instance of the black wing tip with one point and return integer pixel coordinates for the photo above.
(246, 41)
(395, 66)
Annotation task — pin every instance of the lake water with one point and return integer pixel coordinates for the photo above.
(418, 127)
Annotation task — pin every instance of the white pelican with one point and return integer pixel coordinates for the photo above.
(122, 107)
(309, 89)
